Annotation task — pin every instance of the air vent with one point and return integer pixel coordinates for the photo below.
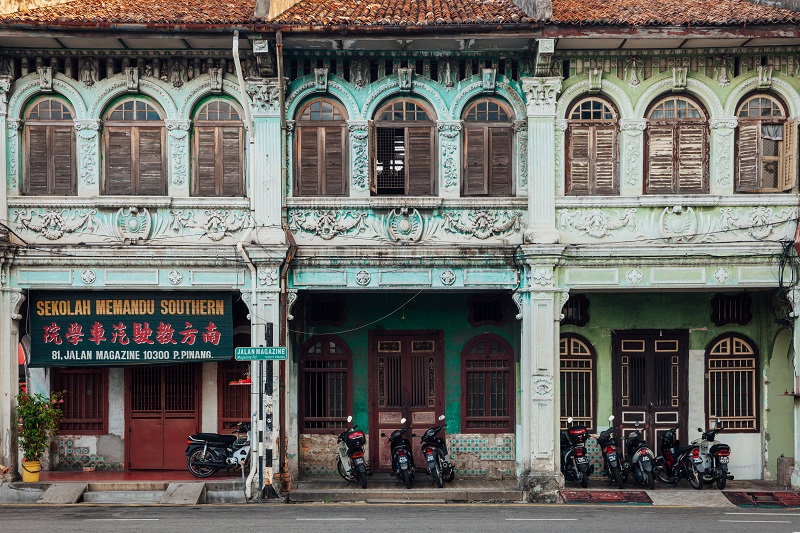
(576, 311)
(731, 309)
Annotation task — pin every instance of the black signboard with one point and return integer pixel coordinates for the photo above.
(124, 327)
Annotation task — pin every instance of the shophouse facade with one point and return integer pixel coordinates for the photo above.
(508, 218)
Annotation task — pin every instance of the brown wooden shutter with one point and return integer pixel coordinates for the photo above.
(475, 157)
(119, 161)
(231, 161)
(333, 153)
(692, 158)
(37, 160)
(419, 161)
(605, 160)
(747, 160)
(788, 161)
(308, 165)
(206, 173)
(579, 160)
(372, 150)
(151, 163)
(660, 160)
(500, 142)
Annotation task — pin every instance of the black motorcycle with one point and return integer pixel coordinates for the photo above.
(612, 457)
(574, 459)
(677, 462)
(402, 456)
(435, 451)
(639, 461)
(207, 453)
(715, 457)
(350, 462)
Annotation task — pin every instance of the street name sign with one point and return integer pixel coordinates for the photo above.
(267, 353)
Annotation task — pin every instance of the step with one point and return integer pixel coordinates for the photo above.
(63, 493)
(124, 497)
(406, 495)
(190, 493)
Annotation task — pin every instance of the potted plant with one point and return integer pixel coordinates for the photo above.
(39, 417)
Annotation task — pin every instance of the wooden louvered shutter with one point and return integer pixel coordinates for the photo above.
(579, 163)
(206, 162)
(37, 160)
(332, 152)
(747, 161)
(419, 161)
(119, 158)
(500, 140)
(475, 179)
(605, 160)
(788, 160)
(63, 161)
(308, 168)
(231, 160)
(150, 163)
(660, 161)
(692, 158)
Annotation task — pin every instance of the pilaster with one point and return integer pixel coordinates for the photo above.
(560, 157)
(87, 138)
(450, 161)
(10, 301)
(722, 164)
(5, 87)
(541, 93)
(795, 296)
(178, 158)
(631, 176)
(359, 157)
(12, 134)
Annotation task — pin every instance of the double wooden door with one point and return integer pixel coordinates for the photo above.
(406, 371)
(162, 406)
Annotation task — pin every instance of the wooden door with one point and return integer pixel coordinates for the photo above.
(406, 380)
(163, 408)
(651, 383)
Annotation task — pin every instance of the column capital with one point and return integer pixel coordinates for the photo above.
(633, 125)
(264, 96)
(729, 123)
(541, 94)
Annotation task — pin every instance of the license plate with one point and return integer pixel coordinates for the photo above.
(581, 460)
(724, 459)
(645, 459)
(402, 459)
(358, 460)
(697, 460)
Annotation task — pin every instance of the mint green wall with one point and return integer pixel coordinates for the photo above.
(425, 311)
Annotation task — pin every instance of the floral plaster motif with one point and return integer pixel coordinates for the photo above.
(363, 278)
(328, 223)
(760, 222)
(52, 224)
(542, 276)
(175, 277)
(722, 275)
(482, 224)
(449, 164)
(634, 276)
(264, 97)
(358, 140)
(595, 223)
(88, 277)
(448, 277)
(216, 224)
(268, 276)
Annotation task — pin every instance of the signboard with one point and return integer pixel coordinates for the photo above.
(271, 353)
(125, 327)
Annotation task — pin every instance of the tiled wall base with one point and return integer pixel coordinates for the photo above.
(80, 451)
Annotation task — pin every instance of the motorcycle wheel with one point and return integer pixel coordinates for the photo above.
(450, 475)
(722, 481)
(694, 476)
(617, 477)
(340, 469)
(648, 478)
(584, 478)
(361, 474)
(200, 471)
(406, 478)
(436, 473)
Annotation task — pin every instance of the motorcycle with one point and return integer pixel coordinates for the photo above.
(612, 458)
(435, 450)
(207, 453)
(402, 456)
(715, 457)
(639, 460)
(677, 462)
(574, 459)
(350, 462)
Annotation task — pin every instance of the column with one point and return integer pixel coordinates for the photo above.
(521, 143)
(631, 176)
(178, 158)
(10, 302)
(721, 161)
(541, 93)
(795, 296)
(359, 157)
(87, 137)
(450, 162)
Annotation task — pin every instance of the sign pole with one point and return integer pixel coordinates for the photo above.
(260, 430)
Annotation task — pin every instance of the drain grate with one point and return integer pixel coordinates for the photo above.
(639, 497)
(763, 499)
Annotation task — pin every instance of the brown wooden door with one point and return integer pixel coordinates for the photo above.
(163, 408)
(651, 383)
(406, 380)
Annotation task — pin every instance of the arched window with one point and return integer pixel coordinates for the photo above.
(135, 161)
(592, 163)
(49, 148)
(404, 150)
(488, 142)
(676, 152)
(766, 147)
(325, 384)
(578, 381)
(321, 148)
(487, 385)
(732, 388)
(219, 149)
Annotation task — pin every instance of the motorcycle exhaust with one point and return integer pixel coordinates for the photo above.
(730, 476)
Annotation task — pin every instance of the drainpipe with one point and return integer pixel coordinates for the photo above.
(282, 104)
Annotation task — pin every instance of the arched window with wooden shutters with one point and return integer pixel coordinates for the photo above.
(133, 150)
(49, 160)
(403, 150)
(321, 138)
(732, 383)
(592, 165)
(488, 142)
(219, 150)
(578, 381)
(766, 147)
(676, 147)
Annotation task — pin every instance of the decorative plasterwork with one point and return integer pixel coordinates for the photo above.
(723, 138)
(482, 224)
(359, 133)
(633, 142)
(765, 77)
(216, 75)
(634, 276)
(404, 226)
(88, 277)
(722, 275)
(542, 387)
(321, 80)
(488, 77)
(52, 224)
(517, 298)
(175, 277)
(723, 69)
(12, 139)
(88, 145)
(268, 277)
(363, 278)
(179, 149)
(132, 79)
(215, 224)
(17, 297)
(449, 135)
(693, 86)
(448, 277)
(45, 79)
(595, 79)
(633, 71)
(596, 223)
(679, 74)
(541, 95)
(760, 223)
(404, 78)
(328, 223)
(542, 276)
(779, 85)
(610, 89)
(264, 96)
(291, 299)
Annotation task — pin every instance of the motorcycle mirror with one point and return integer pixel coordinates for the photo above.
(611, 418)
(441, 417)
(569, 420)
(349, 419)
(383, 434)
(402, 420)
(636, 424)
(414, 435)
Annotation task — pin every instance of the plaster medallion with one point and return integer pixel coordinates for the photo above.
(542, 276)
(268, 276)
(448, 277)
(542, 386)
(363, 278)
(88, 277)
(678, 223)
(175, 277)
(722, 275)
(133, 223)
(404, 226)
(634, 276)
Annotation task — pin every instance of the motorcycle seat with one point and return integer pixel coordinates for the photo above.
(226, 440)
(681, 449)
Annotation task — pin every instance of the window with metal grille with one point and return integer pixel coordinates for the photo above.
(578, 381)
(85, 405)
(325, 384)
(321, 150)
(49, 148)
(731, 383)
(488, 142)
(592, 163)
(731, 309)
(403, 150)
(576, 311)
(219, 150)
(484, 312)
(487, 385)
(233, 400)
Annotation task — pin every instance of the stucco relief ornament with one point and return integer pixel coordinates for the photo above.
(542, 386)
(216, 224)
(722, 275)
(291, 298)
(760, 222)
(88, 277)
(634, 276)
(17, 297)
(265, 97)
(404, 226)
(363, 278)
(542, 276)
(632, 67)
(268, 276)
(595, 223)
(541, 94)
(448, 277)
(723, 66)
(52, 224)
(359, 73)
(175, 277)
(482, 224)
(133, 223)
(358, 136)
(517, 297)
(328, 223)
(447, 77)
